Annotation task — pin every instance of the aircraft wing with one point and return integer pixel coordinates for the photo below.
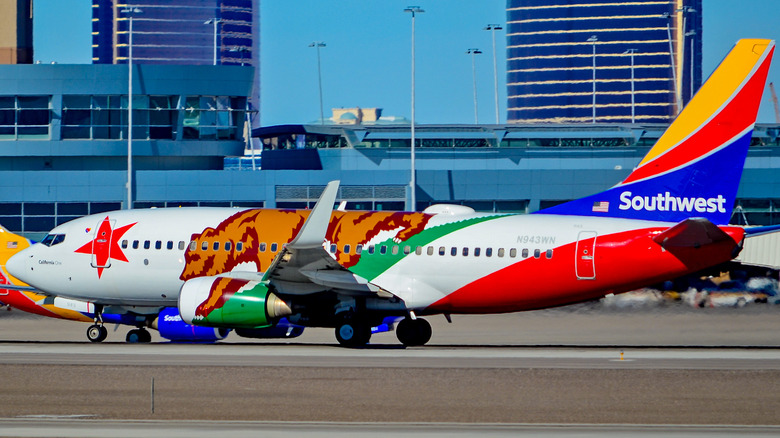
(691, 233)
(304, 266)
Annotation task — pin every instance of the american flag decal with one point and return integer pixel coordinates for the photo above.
(601, 206)
(11, 245)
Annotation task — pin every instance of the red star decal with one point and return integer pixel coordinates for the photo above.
(105, 245)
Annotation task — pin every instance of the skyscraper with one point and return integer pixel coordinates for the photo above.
(578, 61)
(16, 35)
(195, 32)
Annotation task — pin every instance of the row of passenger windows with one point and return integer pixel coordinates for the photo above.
(443, 250)
(347, 249)
(193, 245)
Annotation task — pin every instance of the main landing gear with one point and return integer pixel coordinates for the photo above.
(413, 332)
(139, 335)
(352, 332)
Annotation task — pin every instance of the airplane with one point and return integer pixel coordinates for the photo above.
(349, 270)
(166, 321)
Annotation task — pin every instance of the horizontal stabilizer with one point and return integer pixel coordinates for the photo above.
(691, 233)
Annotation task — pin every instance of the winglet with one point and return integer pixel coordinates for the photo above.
(312, 233)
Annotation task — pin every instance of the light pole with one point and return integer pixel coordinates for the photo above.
(473, 53)
(686, 33)
(593, 39)
(493, 28)
(677, 96)
(414, 10)
(631, 52)
(129, 11)
(319, 44)
(215, 22)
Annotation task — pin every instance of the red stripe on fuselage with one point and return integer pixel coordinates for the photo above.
(623, 261)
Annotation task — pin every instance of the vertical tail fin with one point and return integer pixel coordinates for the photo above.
(695, 167)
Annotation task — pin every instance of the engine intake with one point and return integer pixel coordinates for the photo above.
(230, 302)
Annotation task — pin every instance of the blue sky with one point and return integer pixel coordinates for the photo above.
(367, 59)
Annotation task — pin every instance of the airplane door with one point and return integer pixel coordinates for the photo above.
(584, 266)
(101, 245)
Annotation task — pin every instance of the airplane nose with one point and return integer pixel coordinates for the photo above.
(18, 265)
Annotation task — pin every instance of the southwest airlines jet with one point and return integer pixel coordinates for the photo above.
(349, 270)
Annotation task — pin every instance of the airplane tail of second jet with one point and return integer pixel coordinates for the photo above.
(695, 167)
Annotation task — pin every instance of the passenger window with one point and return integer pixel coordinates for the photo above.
(465, 251)
(240, 246)
(488, 252)
(513, 252)
(537, 253)
(158, 244)
(549, 253)
(193, 245)
(525, 253)
(383, 249)
(135, 244)
(124, 244)
(262, 247)
(407, 250)
(359, 249)
(371, 249)
(228, 245)
(147, 244)
(181, 245)
(204, 246)
(430, 250)
(347, 248)
(500, 252)
(453, 251)
(274, 247)
(170, 244)
(477, 250)
(418, 250)
(333, 248)
(442, 250)
(395, 249)
(215, 247)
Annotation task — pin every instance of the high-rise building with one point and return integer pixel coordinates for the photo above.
(612, 61)
(185, 32)
(16, 32)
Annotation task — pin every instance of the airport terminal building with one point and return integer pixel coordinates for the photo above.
(63, 143)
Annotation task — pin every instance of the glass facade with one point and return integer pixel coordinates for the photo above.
(25, 117)
(559, 51)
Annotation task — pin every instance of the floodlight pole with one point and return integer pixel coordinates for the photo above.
(413, 181)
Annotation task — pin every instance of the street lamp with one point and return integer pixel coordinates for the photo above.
(319, 44)
(129, 11)
(215, 22)
(677, 96)
(593, 39)
(688, 10)
(473, 53)
(493, 28)
(414, 10)
(240, 50)
(631, 52)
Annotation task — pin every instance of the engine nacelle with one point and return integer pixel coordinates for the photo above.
(230, 302)
(171, 326)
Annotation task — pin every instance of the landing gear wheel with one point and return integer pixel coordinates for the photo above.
(138, 336)
(97, 333)
(413, 332)
(352, 333)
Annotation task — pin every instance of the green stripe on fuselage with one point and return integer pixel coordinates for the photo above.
(371, 266)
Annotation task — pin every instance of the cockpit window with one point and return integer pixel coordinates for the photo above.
(53, 239)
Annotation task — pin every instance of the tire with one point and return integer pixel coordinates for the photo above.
(97, 333)
(351, 333)
(136, 336)
(413, 332)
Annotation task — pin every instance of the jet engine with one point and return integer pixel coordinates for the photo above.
(230, 302)
(171, 326)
